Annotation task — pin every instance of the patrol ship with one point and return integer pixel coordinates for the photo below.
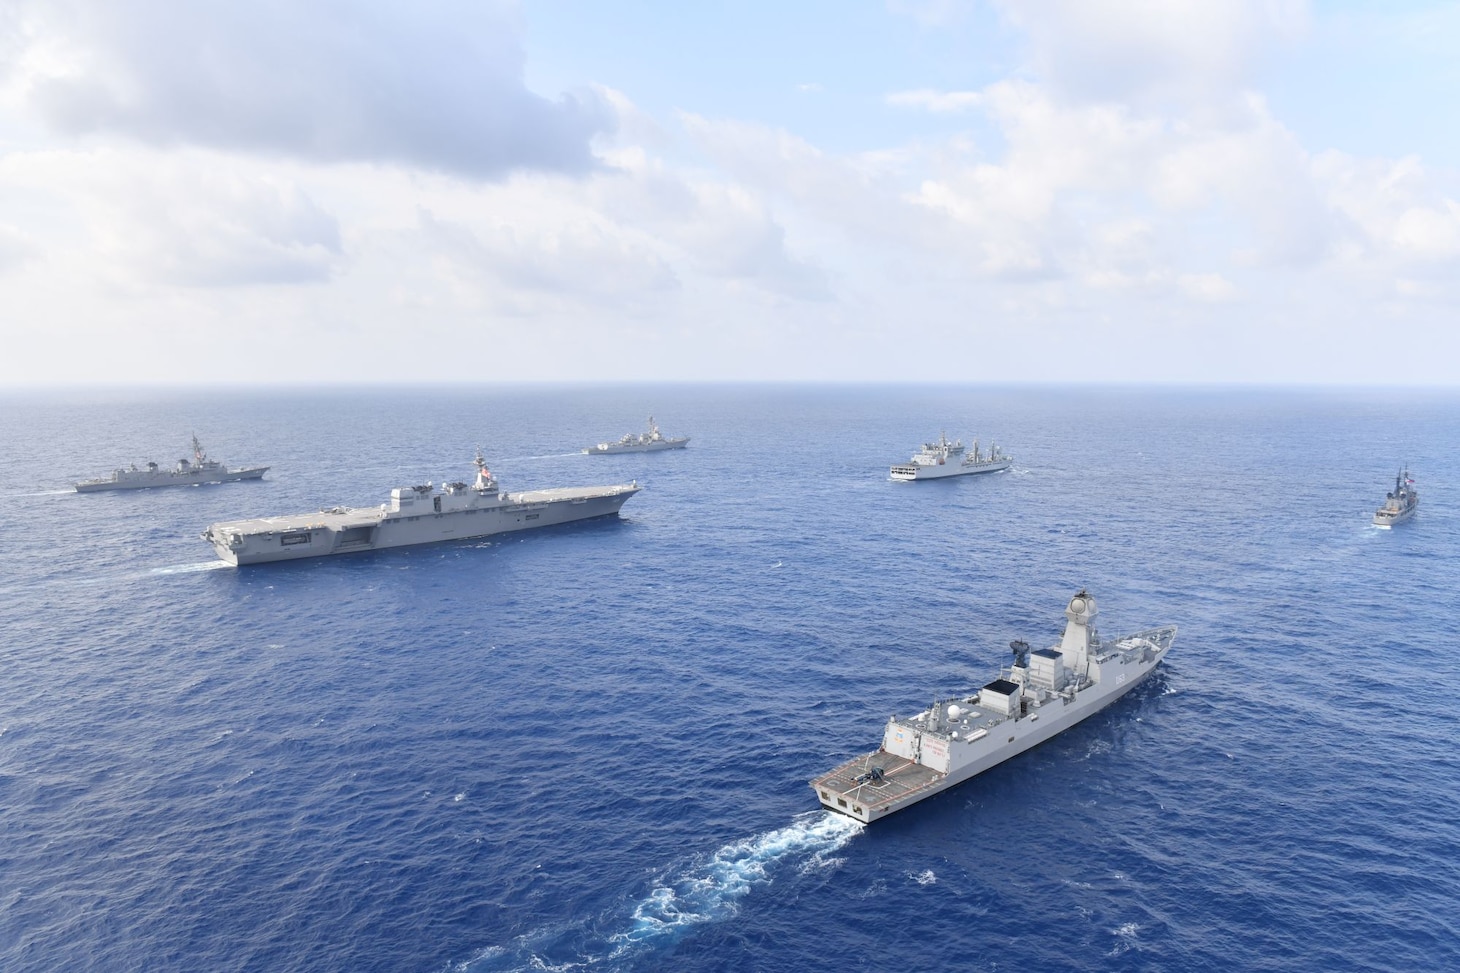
(942, 458)
(200, 469)
(414, 515)
(1400, 504)
(644, 442)
(1043, 693)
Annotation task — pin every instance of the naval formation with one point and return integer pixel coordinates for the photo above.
(1039, 695)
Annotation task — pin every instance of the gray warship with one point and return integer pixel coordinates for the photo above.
(644, 442)
(414, 515)
(1400, 504)
(942, 458)
(200, 469)
(1043, 693)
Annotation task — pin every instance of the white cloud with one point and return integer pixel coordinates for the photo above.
(16, 247)
(436, 84)
(1153, 51)
(581, 262)
(1213, 288)
(935, 101)
(192, 219)
(1429, 233)
(339, 207)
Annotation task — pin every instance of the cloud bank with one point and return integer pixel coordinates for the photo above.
(436, 84)
(370, 185)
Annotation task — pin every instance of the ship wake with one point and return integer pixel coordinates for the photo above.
(189, 568)
(704, 890)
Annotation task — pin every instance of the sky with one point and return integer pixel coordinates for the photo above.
(286, 192)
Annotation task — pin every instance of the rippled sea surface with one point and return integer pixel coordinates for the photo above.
(586, 748)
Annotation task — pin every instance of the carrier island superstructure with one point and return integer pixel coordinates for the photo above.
(1043, 693)
(414, 515)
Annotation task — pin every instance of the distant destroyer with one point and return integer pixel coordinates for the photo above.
(644, 442)
(1400, 504)
(1043, 693)
(942, 458)
(200, 469)
(414, 515)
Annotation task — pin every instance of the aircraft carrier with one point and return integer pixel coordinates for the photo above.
(414, 515)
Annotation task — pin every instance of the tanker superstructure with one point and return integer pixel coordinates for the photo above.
(942, 458)
(414, 515)
(1043, 693)
(195, 472)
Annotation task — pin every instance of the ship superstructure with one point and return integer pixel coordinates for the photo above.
(1400, 503)
(413, 515)
(1044, 692)
(199, 470)
(644, 442)
(941, 458)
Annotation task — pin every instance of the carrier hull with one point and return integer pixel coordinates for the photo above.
(347, 531)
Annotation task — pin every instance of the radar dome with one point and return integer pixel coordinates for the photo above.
(954, 712)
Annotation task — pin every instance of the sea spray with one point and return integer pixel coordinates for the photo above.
(706, 889)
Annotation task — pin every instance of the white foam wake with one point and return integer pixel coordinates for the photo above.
(707, 889)
(710, 890)
(191, 568)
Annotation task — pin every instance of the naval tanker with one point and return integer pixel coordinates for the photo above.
(942, 458)
(1043, 693)
(414, 515)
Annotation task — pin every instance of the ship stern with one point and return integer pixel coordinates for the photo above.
(220, 540)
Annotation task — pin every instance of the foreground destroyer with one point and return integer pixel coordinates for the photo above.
(200, 469)
(414, 515)
(942, 458)
(1041, 694)
(1400, 504)
(644, 442)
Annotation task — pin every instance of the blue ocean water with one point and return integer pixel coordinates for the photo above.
(587, 748)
